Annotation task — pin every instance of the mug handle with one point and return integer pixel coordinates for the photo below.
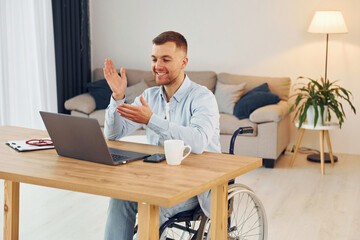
(187, 154)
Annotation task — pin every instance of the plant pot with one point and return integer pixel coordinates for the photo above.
(310, 114)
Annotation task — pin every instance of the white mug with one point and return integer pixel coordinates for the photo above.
(174, 151)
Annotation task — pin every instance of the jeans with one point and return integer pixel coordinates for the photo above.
(122, 216)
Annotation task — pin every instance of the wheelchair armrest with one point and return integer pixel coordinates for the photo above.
(241, 130)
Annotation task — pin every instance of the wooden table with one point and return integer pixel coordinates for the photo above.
(151, 185)
(323, 130)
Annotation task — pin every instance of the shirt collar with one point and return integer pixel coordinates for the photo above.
(162, 93)
(181, 92)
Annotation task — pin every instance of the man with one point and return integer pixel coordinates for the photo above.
(177, 109)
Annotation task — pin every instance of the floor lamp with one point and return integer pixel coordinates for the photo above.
(326, 22)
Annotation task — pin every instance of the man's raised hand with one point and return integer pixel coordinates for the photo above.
(116, 83)
(139, 114)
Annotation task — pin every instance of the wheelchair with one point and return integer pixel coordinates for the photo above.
(246, 214)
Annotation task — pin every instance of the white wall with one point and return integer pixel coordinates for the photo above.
(255, 37)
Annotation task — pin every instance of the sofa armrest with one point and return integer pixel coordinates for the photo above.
(229, 124)
(82, 103)
(270, 113)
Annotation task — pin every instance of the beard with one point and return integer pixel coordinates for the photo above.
(166, 79)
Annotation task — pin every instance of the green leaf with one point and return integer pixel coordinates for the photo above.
(320, 92)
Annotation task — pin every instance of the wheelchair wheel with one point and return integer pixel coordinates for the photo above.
(182, 226)
(180, 231)
(247, 217)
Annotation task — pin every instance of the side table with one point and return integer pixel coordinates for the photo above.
(324, 130)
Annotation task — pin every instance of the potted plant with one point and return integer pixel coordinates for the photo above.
(318, 96)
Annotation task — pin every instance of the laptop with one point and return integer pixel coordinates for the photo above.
(82, 138)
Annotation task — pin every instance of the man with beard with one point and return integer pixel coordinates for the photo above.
(177, 109)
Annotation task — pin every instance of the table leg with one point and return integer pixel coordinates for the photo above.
(322, 158)
(11, 210)
(219, 213)
(302, 130)
(329, 146)
(148, 221)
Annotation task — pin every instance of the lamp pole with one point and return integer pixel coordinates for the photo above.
(326, 57)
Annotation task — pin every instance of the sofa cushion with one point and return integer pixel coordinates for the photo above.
(278, 85)
(204, 78)
(98, 74)
(134, 91)
(257, 97)
(84, 103)
(227, 95)
(133, 76)
(229, 124)
(78, 114)
(99, 115)
(101, 92)
(136, 76)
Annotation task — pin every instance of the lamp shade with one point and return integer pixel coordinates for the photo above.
(328, 22)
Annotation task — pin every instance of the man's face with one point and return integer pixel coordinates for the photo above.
(168, 62)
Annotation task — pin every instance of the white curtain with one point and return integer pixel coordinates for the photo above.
(27, 62)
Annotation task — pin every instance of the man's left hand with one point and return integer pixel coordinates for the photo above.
(139, 114)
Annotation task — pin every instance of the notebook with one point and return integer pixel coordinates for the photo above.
(82, 138)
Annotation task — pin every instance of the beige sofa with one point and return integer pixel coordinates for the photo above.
(271, 123)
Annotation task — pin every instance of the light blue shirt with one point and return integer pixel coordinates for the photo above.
(193, 117)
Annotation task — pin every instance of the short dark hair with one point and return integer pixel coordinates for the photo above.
(171, 36)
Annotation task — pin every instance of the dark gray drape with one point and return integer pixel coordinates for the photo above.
(72, 48)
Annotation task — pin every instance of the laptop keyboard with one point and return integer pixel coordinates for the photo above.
(118, 158)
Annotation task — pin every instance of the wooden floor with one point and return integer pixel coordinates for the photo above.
(299, 201)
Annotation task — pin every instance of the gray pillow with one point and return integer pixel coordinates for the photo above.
(82, 103)
(227, 95)
(134, 91)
